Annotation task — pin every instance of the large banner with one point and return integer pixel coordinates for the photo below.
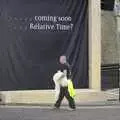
(33, 34)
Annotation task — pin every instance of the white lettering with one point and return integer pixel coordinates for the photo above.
(41, 26)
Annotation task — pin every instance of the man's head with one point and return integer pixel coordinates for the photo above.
(63, 59)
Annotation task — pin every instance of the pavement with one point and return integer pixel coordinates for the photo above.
(92, 110)
(89, 111)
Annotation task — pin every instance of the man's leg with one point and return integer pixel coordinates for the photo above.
(69, 98)
(60, 98)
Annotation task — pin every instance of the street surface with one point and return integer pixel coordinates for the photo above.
(46, 113)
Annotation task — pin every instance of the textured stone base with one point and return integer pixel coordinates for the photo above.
(47, 96)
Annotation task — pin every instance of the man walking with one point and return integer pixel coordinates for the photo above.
(61, 81)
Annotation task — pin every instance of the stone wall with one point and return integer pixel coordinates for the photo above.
(109, 45)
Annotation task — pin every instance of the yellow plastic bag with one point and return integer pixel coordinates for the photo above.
(71, 89)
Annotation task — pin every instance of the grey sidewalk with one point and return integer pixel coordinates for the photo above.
(92, 103)
(46, 113)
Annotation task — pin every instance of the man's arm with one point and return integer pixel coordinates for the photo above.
(69, 69)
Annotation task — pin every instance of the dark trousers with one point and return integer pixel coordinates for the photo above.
(64, 92)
